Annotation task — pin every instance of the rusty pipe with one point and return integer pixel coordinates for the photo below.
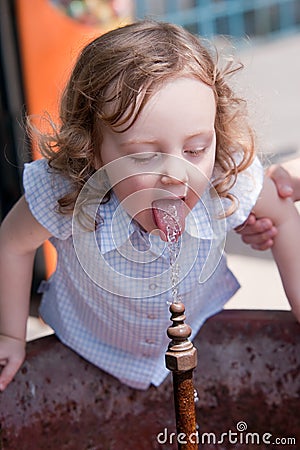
(181, 359)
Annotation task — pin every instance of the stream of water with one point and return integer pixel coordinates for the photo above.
(174, 248)
(173, 232)
(173, 241)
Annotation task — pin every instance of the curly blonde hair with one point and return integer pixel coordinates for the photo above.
(123, 66)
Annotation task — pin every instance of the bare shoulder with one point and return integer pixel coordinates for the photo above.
(21, 231)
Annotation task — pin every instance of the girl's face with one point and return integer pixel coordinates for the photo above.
(168, 153)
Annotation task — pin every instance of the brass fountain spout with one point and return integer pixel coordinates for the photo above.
(181, 359)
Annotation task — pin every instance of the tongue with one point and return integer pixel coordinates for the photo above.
(169, 215)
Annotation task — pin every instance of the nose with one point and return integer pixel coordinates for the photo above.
(174, 172)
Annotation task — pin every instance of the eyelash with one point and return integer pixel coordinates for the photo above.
(143, 160)
(196, 152)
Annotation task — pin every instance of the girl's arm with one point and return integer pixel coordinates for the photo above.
(286, 247)
(20, 236)
(260, 233)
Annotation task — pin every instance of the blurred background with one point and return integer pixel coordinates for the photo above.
(40, 40)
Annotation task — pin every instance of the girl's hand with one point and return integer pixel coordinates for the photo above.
(259, 233)
(12, 355)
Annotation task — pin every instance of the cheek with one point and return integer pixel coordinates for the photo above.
(200, 178)
(135, 193)
(133, 184)
(123, 189)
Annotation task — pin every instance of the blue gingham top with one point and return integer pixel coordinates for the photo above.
(109, 297)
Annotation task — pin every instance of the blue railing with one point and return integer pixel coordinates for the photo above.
(238, 18)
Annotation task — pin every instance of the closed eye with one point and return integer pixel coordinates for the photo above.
(144, 158)
(195, 152)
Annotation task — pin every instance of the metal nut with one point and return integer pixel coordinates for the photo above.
(181, 361)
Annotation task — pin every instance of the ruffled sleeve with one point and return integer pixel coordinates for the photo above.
(43, 186)
(246, 190)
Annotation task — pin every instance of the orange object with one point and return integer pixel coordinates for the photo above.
(49, 44)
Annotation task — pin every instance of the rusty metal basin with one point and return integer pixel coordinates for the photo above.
(247, 379)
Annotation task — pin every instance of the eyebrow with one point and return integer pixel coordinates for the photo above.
(205, 133)
(135, 141)
(138, 141)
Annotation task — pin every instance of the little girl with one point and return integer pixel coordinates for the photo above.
(152, 145)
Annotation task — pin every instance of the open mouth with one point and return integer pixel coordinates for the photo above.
(169, 216)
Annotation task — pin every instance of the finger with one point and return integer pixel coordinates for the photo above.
(9, 371)
(282, 179)
(265, 246)
(259, 226)
(259, 238)
(251, 219)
